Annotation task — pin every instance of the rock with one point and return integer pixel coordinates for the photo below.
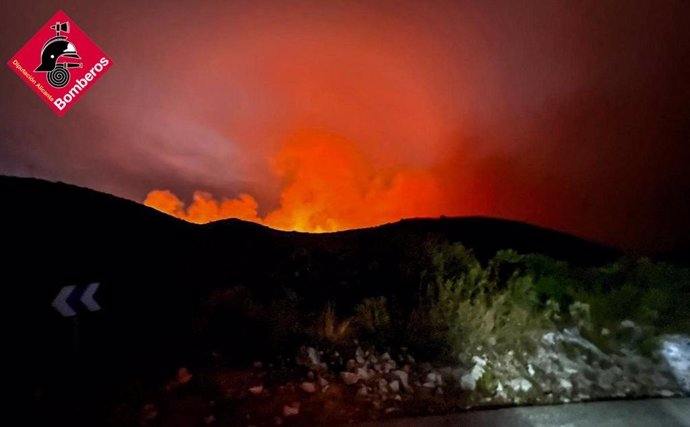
(429, 385)
(308, 387)
(659, 381)
(520, 384)
(363, 373)
(149, 413)
(628, 324)
(500, 392)
(666, 393)
(606, 379)
(291, 409)
(479, 361)
(389, 365)
(675, 349)
(362, 391)
(256, 390)
(468, 383)
(434, 378)
(626, 387)
(565, 384)
(392, 409)
(308, 357)
(605, 332)
(395, 386)
(605, 363)
(183, 376)
(359, 356)
(323, 382)
(383, 386)
(403, 377)
(349, 378)
(530, 369)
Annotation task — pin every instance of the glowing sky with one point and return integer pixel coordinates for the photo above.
(335, 114)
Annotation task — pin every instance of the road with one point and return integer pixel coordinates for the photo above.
(620, 413)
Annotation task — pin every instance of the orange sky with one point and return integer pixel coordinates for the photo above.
(323, 115)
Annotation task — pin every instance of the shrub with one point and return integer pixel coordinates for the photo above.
(477, 307)
(372, 317)
(329, 328)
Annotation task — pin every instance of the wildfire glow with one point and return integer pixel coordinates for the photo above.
(328, 185)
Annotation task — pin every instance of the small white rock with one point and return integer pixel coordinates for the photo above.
(402, 376)
(291, 409)
(256, 390)
(349, 378)
(308, 387)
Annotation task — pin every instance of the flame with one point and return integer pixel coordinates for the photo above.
(327, 185)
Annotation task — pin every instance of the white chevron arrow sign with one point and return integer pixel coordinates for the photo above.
(65, 305)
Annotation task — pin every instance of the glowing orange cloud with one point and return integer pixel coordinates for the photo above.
(327, 185)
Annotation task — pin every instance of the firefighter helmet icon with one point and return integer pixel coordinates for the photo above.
(54, 49)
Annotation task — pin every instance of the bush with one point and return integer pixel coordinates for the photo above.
(373, 320)
(477, 308)
(329, 328)
(515, 297)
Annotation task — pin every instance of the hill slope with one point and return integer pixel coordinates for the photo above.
(155, 272)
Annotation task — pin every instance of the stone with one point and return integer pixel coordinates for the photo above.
(183, 376)
(520, 384)
(434, 378)
(359, 356)
(565, 384)
(606, 379)
(675, 349)
(291, 409)
(628, 324)
(256, 390)
(363, 373)
(308, 387)
(402, 376)
(468, 383)
(349, 378)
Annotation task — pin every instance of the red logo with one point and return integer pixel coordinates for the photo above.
(60, 63)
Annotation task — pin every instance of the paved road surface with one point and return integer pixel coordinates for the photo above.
(620, 413)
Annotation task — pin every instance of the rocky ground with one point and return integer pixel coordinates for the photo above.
(356, 383)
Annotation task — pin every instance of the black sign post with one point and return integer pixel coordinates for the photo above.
(69, 302)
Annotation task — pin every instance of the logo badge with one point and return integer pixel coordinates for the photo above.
(60, 63)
